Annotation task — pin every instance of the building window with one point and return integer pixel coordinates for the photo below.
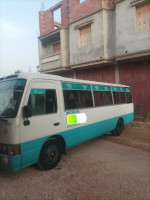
(56, 48)
(85, 36)
(143, 17)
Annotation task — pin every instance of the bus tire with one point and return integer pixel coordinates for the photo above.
(119, 128)
(50, 154)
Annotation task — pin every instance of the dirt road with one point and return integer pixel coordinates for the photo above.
(106, 168)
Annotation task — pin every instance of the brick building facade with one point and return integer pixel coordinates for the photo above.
(101, 40)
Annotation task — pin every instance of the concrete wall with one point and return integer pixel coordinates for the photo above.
(94, 50)
(128, 40)
(47, 50)
(113, 32)
(53, 62)
(109, 33)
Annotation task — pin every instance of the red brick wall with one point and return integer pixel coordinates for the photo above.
(101, 74)
(65, 13)
(108, 4)
(79, 10)
(71, 11)
(46, 22)
(46, 18)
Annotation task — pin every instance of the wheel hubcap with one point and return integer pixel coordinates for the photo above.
(119, 128)
(51, 154)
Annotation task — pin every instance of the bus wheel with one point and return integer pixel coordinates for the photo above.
(50, 155)
(118, 129)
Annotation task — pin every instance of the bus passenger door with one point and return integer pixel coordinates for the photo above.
(43, 99)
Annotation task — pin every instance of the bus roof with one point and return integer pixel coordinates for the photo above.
(30, 76)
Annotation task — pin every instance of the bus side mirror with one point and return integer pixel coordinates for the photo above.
(27, 111)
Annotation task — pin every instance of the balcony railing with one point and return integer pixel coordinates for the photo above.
(51, 58)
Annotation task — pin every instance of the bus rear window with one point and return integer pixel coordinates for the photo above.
(123, 97)
(129, 97)
(116, 96)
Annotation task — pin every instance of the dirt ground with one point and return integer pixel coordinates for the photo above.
(105, 168)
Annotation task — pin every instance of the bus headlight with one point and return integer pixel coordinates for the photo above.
(10, 149)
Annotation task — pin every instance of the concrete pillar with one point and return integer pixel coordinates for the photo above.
(65, 55)
(65, 13)
(117, 74)
(108, 29)
(74, 75)
(40, 51)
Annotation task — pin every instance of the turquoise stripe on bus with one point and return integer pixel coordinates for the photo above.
(127, 89)
(85, 133)
(14, 162)
(31, 149)
(73, 86)
(118, 89)
(100, 88)
(37, 91)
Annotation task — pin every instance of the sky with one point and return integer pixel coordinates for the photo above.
(19, 31)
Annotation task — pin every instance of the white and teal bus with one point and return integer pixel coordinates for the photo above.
(41, 116)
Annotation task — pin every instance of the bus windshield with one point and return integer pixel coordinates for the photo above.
(10, 96)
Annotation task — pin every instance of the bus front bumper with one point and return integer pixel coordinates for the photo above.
(10, 163)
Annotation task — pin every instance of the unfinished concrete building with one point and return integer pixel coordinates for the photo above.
(101, 40)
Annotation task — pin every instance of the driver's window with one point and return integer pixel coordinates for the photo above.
(42, 101)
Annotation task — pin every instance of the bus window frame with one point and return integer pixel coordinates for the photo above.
(92, 92)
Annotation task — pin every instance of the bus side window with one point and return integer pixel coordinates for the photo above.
(98, 98)
(74, 99)
(43, 103)
(129, 97)
(71, 99)
(116, 96)
(51, 101)
(85, 99)
(107, 97)
(123, 97)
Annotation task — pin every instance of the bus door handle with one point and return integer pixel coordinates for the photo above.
(56, 124)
